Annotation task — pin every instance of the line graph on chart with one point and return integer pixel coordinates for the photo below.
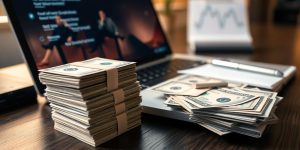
(217, 17)
(218, 23)
(220, 18)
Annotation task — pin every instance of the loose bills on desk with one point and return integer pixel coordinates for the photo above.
(222, 110)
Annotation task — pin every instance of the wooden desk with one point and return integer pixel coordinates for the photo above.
(32, 127)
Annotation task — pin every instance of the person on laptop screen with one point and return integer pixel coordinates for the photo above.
(107, 28)
(125, 30)
(64, 34)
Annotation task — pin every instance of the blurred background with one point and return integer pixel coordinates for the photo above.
(9, 50)
(278, 19)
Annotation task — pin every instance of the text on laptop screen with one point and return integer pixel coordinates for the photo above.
(64, 31)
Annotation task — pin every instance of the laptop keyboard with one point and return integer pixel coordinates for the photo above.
(158, 73)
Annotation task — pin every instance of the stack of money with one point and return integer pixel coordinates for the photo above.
(222, 109)
(93, 100)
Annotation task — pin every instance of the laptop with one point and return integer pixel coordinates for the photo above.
(52, 33)
(133, 34)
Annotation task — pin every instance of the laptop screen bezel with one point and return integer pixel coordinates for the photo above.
(20, 36)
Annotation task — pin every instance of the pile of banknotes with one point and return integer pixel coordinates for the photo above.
(220, 107)
(93, 100)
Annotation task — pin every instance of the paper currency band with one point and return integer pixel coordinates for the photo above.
(122, 123)
(112, 74)
(112, 79)
(120, 108)
(119, 96)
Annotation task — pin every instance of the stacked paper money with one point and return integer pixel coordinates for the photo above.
(93, 100)
(222, 109)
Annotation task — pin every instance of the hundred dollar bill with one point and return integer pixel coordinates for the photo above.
(180, 85)
(248, 105)
(259, 104)
(258, 110)
(78, 71)
(179, 88)
(218, 98)
(71, 70)
(256, 91)
(201, 82)
(108, 63)
(253, 107)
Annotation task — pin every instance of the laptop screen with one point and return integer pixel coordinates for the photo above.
(64, 31)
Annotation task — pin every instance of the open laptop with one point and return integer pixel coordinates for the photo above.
(134, 34)
(52, 33)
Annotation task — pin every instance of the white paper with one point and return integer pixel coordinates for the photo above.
(233, 75)
(218, 23)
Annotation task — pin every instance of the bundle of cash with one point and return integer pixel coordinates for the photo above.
(222, 109)
(93, 100)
